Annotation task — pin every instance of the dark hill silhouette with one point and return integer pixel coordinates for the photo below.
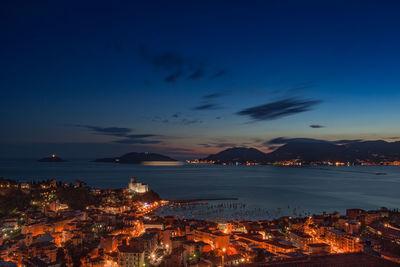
(309, 151)
(379, 149)
(52, 158)
(136, 158)
(238, 154)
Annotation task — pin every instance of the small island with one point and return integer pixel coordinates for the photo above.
(52, 158)
(138, 158)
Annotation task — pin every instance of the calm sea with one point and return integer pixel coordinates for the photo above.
(267, 188)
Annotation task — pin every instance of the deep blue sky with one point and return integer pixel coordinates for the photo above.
(191, 77)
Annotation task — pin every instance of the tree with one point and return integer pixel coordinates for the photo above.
(74, 253)
(76, 198)
(13, 201)
(260, 257)
(60, 258)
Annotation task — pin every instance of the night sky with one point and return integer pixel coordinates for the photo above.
(188, 78)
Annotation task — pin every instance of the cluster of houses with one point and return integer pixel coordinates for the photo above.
(120, 230)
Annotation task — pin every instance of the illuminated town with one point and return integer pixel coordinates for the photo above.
(199, 133)
(298, 162)
(51, 223)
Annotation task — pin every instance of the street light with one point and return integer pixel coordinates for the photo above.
(223, 253)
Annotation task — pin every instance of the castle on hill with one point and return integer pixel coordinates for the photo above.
(136, 187)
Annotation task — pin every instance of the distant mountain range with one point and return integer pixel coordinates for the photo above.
(136, 158)
(314, 152)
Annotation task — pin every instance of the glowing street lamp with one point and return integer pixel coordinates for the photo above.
(223, 254)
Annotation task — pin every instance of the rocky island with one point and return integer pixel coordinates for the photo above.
(52, 158)
(138, 158)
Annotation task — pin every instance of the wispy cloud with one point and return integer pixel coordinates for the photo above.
(284, 140)
(113, 131)
(222, 145)
(176, 118)
(208, 101)
(219, 74)
(140, 139)
(214, 95)
(125, 133)
(208, 106)
(179, 149)
(316, 126)
(217, 145)
(137, 141)
(187, 121)
(139, 136)
(197, 74)
(167, 60)
(205, 145)
(226, 142)
(173, 77)
(175, 65)
(279, 109)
